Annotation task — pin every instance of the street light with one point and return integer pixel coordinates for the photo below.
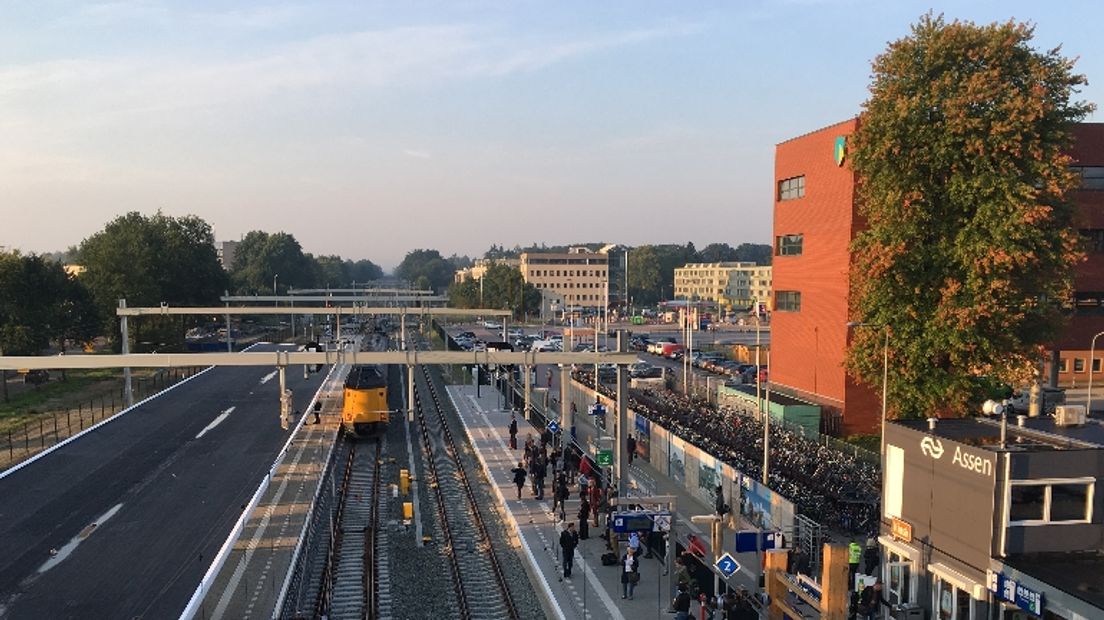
(1092, 352)
(885, 373)
(274, 294)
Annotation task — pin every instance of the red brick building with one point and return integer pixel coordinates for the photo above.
(814, 223)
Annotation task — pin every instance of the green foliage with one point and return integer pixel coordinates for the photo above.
(652, 271)
(503, 288)
(263, 259)
(963, 181)
(426, 269)
(150, 260)
(39, 302)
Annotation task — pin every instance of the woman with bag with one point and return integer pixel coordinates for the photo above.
(630, 573)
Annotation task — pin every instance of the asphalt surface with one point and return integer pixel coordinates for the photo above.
(163, 498)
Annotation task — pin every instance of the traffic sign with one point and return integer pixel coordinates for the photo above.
(662, 522)
(553, 426)
(605, 457)
(727, 565)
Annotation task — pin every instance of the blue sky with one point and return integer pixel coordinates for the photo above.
(368, 129)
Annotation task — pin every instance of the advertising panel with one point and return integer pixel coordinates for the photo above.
(643, 437)
(676, 462)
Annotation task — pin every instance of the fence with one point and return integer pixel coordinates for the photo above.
(48, 429)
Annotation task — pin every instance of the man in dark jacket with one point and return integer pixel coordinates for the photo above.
(569, 539)
(631, 448)
(871, 600)
(559, 495)
(519, 477)
(681, 604)
(513, 433)
(584, 516)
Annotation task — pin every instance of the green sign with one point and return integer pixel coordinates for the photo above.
(605, 457)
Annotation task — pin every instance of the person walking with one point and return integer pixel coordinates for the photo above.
(871, 557)
(871, 600)
(584, 515)
(540, 470)
(630, 573)
(559, 495)
(317, 410)
(519, 477)
(513, 432)
(569, 539)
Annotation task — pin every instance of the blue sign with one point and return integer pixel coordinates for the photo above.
(554, 427)
(597, 409)
(727, 565)
(633, 522)
(1006, 589)
(756, 540)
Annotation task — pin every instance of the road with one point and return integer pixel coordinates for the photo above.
(123, 522)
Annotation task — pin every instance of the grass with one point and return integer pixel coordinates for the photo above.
(79, 388)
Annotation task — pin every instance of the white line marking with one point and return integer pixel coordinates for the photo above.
(269, 377)
(71, 546)
(218, 420)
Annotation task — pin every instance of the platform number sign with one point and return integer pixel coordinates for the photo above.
(727, 565)
(554, 427)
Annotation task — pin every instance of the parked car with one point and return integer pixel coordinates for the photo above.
(644, 370)
(491, 325)
(1020, 402)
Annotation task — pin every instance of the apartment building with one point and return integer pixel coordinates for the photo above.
(739, 284)
(576, 278)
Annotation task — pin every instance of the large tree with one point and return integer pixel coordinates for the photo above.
(150, 260)
(426, 269)
(502, 287)
(652, 270)
(264, 260)
(963, 181)
(40, 302)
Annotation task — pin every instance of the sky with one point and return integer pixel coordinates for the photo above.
(369, 129)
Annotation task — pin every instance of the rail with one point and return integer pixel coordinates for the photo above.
(463, 596)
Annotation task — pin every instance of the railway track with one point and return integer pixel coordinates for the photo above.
(355, 579)
(478, 579)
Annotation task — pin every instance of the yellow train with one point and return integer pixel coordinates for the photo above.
(364, 410)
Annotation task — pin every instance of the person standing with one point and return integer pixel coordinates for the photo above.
(681, 604)
(584, 515)
(540, 470)
(631, 445)
(871, 600)
(630, 573)
(854, 556)
(569, 539)
(871, 557)
(519, 477)
(513, 432)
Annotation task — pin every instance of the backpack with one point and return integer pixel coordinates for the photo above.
(609, 559)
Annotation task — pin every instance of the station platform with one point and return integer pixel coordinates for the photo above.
(249, 581)
(594, 591)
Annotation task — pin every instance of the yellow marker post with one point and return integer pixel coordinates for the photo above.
(404, 482)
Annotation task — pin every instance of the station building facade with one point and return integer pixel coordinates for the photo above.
(815, 221)
(979, 528)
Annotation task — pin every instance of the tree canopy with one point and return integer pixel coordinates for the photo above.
(149, 260)
(963, 180)
(264, 260)
(39, 302)
(426, 269)
(502, 288)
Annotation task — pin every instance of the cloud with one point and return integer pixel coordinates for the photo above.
(417, 153)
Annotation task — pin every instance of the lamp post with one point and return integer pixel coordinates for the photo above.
(885, 374)
(274, 294)
(1092, 352)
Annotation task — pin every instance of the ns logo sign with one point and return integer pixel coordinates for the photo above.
(933, 448)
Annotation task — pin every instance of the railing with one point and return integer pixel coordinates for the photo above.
(48, 429)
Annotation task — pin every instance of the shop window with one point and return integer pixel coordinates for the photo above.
(898, 580)
(1063, 365)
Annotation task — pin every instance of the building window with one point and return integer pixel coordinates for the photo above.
(1063, 365)
(1044, 502)
(787, 301)
(1078, 364)
(1094, 240)
(1096, 365)
(898, 579)
(1092, 177)
(788, 245)
(1028, 503)
(789, 189)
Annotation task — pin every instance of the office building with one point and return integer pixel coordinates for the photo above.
(578, 278)
(736, 284)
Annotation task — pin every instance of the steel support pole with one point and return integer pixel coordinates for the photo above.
(620, 433)
(127, 386)
(766, 428)
(528, 390)
(567, 420)
(402, 332)
(410, 392)
(1092, 356)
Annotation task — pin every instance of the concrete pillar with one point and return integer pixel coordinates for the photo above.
(774, 565)
(528, 389)
(128, 390)
(410, 392)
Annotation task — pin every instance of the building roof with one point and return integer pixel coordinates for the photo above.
(1036, 434)
(1080, 575)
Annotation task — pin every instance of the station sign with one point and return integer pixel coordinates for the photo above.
(597, 409)
(901, 530)
(758, 540)
(553, 427)
(1008, 590)
(605, 458)
(727, 565)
